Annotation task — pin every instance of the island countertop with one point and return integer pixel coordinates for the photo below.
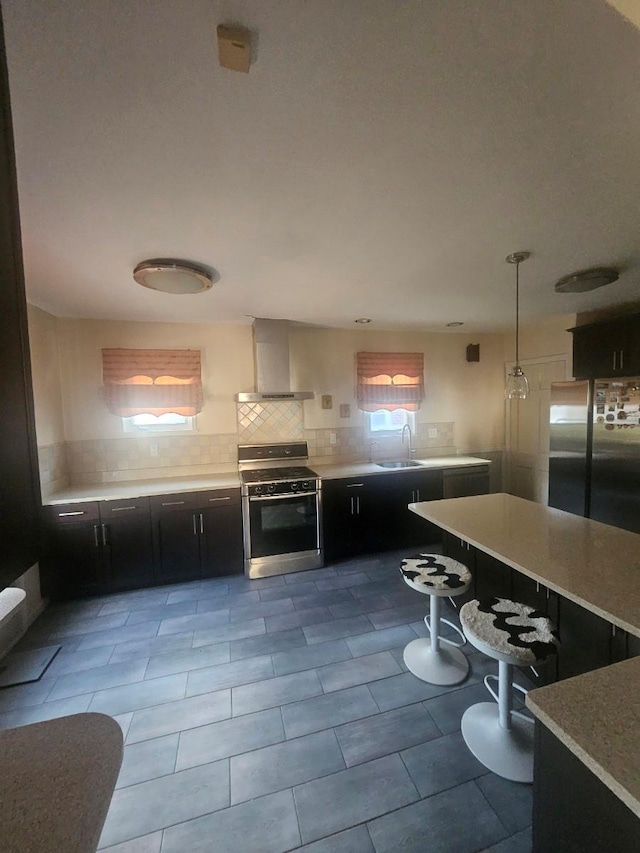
(596, 714)
(594, 565)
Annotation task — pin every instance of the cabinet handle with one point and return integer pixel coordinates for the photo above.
(66, 514)
(195, 529)
(621, 359)
(212, 500)
(95, 535)
(201, 523)
(417, 495)
(615, 356)
(351, 505)
(172, 503)
(123, 508)
(355, 485)
(357, 504)
(104, 535)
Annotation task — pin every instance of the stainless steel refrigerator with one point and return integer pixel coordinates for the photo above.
(594, 459)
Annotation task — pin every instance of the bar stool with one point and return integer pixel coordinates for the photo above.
(436, 660)
(514, 634)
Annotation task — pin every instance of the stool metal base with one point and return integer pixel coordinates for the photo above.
(506, 752)
(445, 666)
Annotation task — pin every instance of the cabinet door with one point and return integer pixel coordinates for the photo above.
(221, 550)
(593, 351)
(404, 528)
(350, 511)
(177, 545)
(75, 562)
(492, 578)
(126, 534)
(585, 640)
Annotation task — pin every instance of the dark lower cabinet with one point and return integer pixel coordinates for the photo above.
(573, 811)
(586, 640)
(106, 546)
(197, 535)
(368, 514)
(352, 517)
(97, 547)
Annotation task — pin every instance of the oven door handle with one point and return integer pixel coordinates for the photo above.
(282, 497)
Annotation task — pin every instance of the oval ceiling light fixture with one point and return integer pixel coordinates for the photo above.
(169, 275)
(580, 282)
(362, 320)
(455, 323)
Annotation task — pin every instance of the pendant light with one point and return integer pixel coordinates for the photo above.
(517, 387)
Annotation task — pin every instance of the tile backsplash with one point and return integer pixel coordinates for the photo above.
(260, 423)
(151, 457)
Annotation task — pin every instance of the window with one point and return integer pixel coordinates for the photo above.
(169, 422)
(153, 390)
(390, 381)
(385, 424)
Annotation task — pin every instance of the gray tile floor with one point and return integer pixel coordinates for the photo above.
(275, 715)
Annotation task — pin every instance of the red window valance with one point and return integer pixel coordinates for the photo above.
(390, 380)
(152, 381)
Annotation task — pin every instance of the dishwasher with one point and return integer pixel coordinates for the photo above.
(462, 482)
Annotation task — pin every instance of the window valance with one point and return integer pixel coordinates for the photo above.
(390, 380)
(152, 381)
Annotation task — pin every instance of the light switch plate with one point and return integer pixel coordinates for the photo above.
(327, 401)
(433, 432)
(345, 410)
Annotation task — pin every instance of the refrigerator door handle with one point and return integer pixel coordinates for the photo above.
(615, 357)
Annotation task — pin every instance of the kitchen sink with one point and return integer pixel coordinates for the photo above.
(404, 464)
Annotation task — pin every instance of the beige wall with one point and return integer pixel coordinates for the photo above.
(470, 394)
(546, 357)
(45, 370)
(227, 367)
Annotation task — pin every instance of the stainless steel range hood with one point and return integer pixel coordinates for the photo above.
(271, 364)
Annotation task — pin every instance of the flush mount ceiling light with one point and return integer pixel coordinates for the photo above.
(580, 282)
(362, 320)
(517, 387)
(169, 275)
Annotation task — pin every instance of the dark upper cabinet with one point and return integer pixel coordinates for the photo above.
(20, 487)
(606, 349)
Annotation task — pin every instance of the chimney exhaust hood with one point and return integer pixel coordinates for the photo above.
(271, 364)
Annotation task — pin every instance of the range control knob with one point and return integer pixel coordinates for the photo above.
(257, 490)
(272, 487)
(306, 485)
(294, 487)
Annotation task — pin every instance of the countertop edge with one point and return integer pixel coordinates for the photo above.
(124, 490)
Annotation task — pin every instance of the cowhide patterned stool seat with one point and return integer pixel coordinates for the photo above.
(436, 660)
(514, 634)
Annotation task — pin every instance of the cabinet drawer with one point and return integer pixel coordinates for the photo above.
(168, 503)
(218, 497)
(72, 512)
(113, 510)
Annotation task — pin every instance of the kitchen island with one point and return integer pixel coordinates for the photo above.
(594, 717)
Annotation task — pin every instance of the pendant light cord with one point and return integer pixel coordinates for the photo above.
(517, 314)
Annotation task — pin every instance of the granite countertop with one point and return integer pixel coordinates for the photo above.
(57, 781)
(595, 565)
(229, 479)
(597, 716)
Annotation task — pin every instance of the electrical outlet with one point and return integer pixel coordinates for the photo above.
(345, 410)
(332, 438)
(153, 449)
(433, 432)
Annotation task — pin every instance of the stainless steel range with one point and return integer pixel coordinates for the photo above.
(281, 509)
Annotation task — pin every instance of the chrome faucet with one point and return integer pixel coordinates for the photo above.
(408, 428)
(371, 443)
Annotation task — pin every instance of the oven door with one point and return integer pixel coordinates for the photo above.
(283, 524)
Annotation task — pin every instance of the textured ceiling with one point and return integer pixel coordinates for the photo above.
(380, 159)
